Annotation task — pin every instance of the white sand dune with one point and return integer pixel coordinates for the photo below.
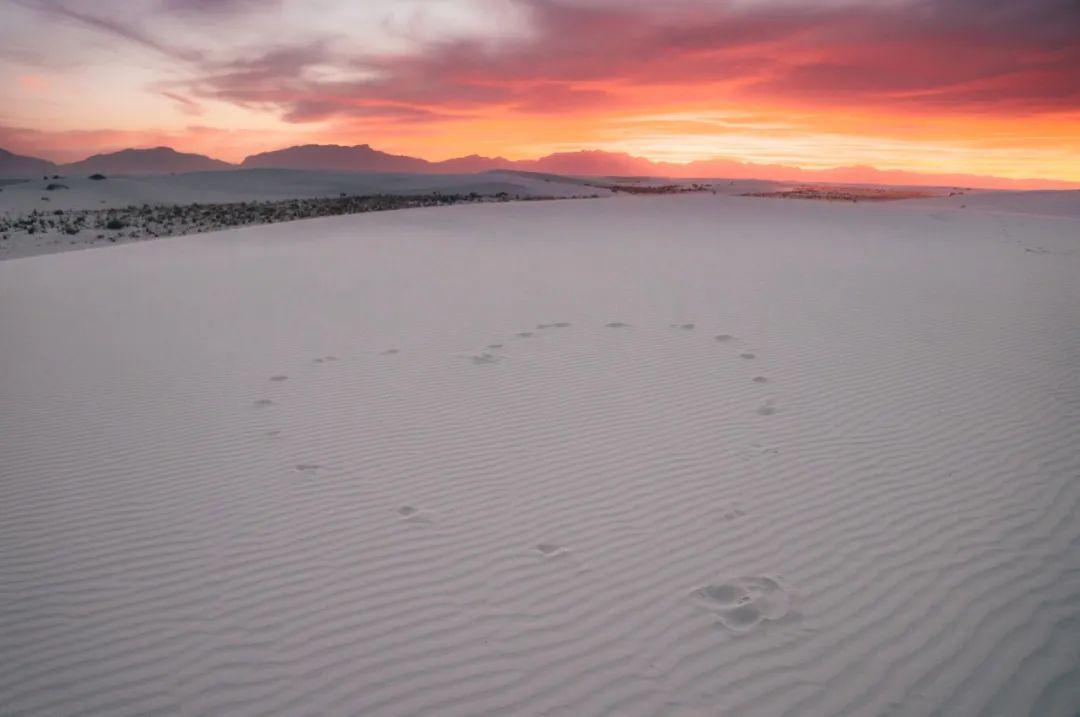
(688, 455)
(1064, 203)
(266, 184)
(24, 200)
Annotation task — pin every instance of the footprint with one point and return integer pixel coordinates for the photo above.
(556, 325)
(684, 327)
(724, 337)
(324, 359)
(734, 513)
(742, 617)
(760, 379)
(409, 514)
(279, 377)
(494, 346)
(747, 355)
(391, 352)
(617, 325)
(550, 550)
(308, 468)
(767, 409)
(722, 596)
(263, 402)
(484, 358)
(745, 602)
(525, 334)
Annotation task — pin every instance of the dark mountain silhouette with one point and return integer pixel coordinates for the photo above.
(590, 163)
(157, 160)
(14, 166)
(470, 165)
(598, 163)
(333, 157)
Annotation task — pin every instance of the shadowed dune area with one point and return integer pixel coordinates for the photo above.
(641, 455)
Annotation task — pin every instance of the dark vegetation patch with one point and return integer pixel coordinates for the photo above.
(656, 189)
(147, 220)
(845, 194)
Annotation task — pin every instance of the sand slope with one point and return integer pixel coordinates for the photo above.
(784, 458)
(264, 184)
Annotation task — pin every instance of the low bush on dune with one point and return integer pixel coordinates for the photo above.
(97, 177)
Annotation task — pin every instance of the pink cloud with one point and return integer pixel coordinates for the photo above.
(938, 55)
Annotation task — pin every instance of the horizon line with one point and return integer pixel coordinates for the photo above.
(899, 176)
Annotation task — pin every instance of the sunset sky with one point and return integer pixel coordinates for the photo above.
(974, 86)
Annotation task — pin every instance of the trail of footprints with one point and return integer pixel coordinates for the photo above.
(739, 604)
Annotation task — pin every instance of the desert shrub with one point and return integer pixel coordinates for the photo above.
(114, 224)
(54, 186)
(97, 177)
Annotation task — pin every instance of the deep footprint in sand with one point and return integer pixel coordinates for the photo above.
(617, 325)
(391, 352)
(683, 327)
(556, 325)
(279, 377)
(550, 550)
(525, 334)
(760, 379)
(409, 514)
(308, 468)
(747, 355)
(484, 358)
(724, 337)
(494, 346)
(263, 403)
(767, 410)
(743, 603)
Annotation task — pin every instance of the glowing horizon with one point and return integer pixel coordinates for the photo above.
(937, 86)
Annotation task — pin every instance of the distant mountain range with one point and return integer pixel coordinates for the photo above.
(157, 160)
(16, 166)
(146, 161)
(590, 163)
(332, 157)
